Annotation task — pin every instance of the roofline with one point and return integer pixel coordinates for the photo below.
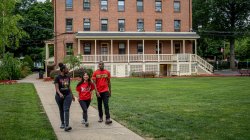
(141, 35)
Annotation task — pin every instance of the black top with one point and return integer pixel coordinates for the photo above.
(63, 83)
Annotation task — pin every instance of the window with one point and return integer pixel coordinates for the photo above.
(104, 5)
(158, 25)
(177, 7)
(139, 4)
(86, 4)
(69, 4)
(69, 25)
(121, 5)
(69, 48)
(122, 48)
(160, 48)
(158, 5)
(139, 48)
(86, 24)
(177, 25)
(87, 48)
(140, 25)
(104, 25)
(121, 25)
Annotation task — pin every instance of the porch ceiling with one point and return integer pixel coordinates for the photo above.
(137, 35)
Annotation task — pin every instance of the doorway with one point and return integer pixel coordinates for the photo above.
(164, 69)
(104, 51)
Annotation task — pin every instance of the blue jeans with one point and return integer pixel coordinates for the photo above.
(64, 106)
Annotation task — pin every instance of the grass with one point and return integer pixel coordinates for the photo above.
(22, 115)
(183, 108)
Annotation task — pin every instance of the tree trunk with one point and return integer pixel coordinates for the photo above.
(232, 54)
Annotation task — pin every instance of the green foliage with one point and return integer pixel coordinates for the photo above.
(242, 48)
(25, 70)
(10, 68)
(38, 23)
(11, 32)
(220, 20)
(27, 60)
(73, 62)
(54, 73)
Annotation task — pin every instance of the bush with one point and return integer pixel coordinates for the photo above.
(10, 68)
(79, 72)
(143, 74)
(25, 70)
(29, 62)
(54, 73)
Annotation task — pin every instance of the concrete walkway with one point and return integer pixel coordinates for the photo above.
(95, 131)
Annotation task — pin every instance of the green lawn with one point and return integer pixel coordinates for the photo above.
(183, 108)
(21, 114)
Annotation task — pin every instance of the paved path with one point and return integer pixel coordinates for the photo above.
(95, 131)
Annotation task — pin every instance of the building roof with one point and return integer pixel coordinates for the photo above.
(137, 35)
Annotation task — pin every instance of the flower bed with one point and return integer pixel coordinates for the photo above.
(3, 82)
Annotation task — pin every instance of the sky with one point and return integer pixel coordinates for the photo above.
(41, 0)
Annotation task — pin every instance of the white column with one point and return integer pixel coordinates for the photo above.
(143, 51)
(158, 49)
(47, 50)
(190, 64)
(143, 59)
(46, 69)
(111, 51)
(79, 47)
(184, 46)
(172, 48)
(95, 56)
(128, 50)
(195, 48)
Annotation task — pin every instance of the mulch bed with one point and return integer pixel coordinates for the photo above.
(7, 82)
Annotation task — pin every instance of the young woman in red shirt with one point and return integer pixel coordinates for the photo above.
(84, 89)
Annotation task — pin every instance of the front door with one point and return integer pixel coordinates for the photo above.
(164, 69)
(104, 52)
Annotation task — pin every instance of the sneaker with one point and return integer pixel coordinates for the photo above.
(83, 121)
(86, 124)
(62, 126)
(67, 128)
(100, 120)
(108, 121)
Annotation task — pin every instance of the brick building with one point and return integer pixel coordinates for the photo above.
(128, 35)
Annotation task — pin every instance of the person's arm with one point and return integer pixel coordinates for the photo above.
(58, 91)
(96, 91)
(94, 83)
(109, 84)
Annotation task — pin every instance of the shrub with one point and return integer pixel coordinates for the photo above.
(143, 74)
(79, 72)
(25, 70)
(54, 73)
(10, 68)
(29, 62)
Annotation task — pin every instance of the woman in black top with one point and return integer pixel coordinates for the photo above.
(63, 96)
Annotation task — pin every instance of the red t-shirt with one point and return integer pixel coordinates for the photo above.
(84, 90)
(102, 78)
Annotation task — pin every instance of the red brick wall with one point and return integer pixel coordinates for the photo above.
(130, 15)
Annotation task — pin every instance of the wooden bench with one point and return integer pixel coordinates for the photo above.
(244, 72)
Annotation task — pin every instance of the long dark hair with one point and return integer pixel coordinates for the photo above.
(82, 80)
(62, 66)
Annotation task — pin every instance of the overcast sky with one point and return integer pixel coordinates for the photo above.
(41, 0)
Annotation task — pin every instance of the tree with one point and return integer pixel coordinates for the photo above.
(226, 19)
(11, 32)
(39, 16)
(73, 62)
